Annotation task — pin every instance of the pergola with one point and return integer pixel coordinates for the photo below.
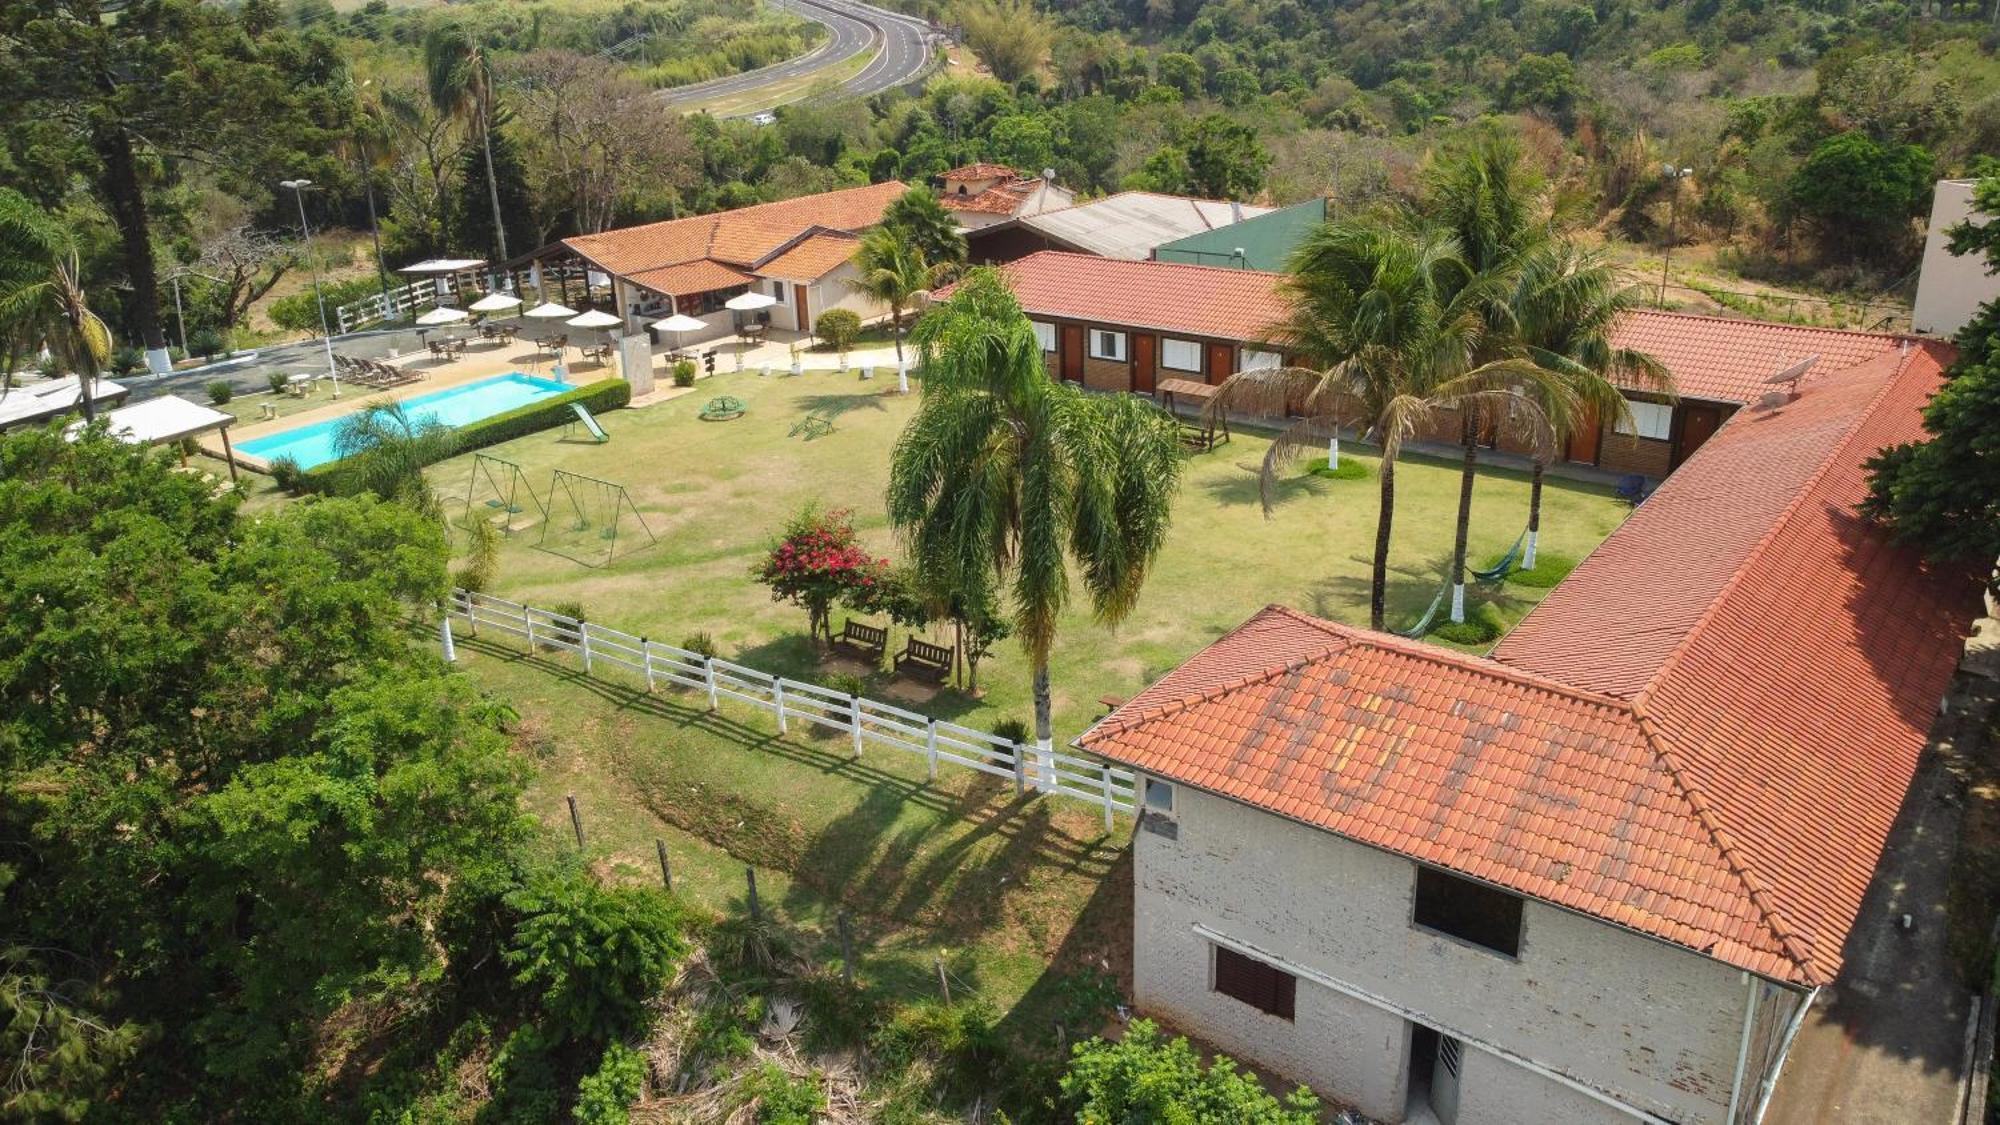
(168, 418)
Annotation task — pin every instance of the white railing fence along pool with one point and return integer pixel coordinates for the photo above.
(867, 722)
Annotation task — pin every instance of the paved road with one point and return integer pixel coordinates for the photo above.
(902, 46)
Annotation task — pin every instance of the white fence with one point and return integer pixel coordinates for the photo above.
(867, 722)
(397, 304)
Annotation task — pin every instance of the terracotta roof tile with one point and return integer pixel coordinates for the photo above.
(980, 172)
(737, 237)
(1725, 360)
(1704, 734)
(1165, 296)
(812, 257)
(698, 276)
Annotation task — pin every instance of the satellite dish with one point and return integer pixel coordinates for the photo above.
(1795, 372)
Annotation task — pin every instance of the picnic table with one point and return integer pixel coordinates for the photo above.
(598, 352)
(502, 332)
(299, 386)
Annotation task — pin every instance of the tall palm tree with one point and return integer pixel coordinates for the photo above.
(386, 450)
(1387, 322)
(1486, 196)
(924, 223)
(1004, 471)
(42, 302)
(895, 272)
(460, 78)
(1565, 302)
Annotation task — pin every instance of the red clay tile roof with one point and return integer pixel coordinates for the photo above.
(1164, 296)
(698, 276)
(980, 172)
(1725, 360)
(812, 257)
(737, 237)
(1704, 734)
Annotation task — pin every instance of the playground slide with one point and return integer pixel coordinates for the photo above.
(589, 423)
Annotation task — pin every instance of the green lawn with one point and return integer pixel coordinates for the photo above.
(713, 493)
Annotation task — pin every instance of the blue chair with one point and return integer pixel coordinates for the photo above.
(1632, 489)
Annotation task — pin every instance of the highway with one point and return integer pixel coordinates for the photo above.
(901, 45)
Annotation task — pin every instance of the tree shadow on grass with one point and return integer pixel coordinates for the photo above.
(832, 406)
(1244, 487)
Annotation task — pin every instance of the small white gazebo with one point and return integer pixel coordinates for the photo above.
(168, 418)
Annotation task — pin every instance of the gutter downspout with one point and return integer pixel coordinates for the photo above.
(1784, 1052)
(1387, 1005)
(1743, 1050)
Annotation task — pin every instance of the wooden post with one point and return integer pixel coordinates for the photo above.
(444, 632)
(228, 454)
(708, 673)
(528, 626)
(750, 877)
(1020, 771)
(854, 720)
(471, 613)
(646, 658)
(583, 634)
(1104, 772)
(930, 749)
(778, 701)
(943, 984)
(666, 872)
(576, 821)
(846, 949)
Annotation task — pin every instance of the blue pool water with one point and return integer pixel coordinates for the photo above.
(313, 445)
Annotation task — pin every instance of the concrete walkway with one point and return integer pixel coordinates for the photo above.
(1886, 1044)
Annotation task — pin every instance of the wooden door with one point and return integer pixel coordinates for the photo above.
(1145, 361)
(799, 305)
(1584, 438)
(1069, 353)
(1698, 423)
(1221, 362)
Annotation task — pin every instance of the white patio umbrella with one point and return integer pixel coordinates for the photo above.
(593, 319)
(495, 302)
(443, 314)
(679, 323)
(550, 311)
(750, 302)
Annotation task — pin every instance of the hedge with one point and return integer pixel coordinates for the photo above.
(606, 394)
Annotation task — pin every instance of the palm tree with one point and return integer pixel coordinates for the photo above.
(1565, 301)
(924, 223)
(1004, 471)
(387, 449)
(1387, 322)
(895, 272)
(42, 302)
(1486, 196)
(460, 78)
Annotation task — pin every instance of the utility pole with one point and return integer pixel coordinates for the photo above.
(1674, 176)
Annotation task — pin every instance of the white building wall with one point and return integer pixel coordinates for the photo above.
(836, 291)
(1658, 1026)
(1950, 289)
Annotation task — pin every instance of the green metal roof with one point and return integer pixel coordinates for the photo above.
(1265, 241)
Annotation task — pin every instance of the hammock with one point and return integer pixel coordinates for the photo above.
(1424, 623)
(1505, 566)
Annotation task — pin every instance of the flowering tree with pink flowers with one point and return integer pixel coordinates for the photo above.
(817, 562)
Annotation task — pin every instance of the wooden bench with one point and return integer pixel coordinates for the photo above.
(865, 641)
(925, 661)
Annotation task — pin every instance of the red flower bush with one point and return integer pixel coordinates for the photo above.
(816, 563)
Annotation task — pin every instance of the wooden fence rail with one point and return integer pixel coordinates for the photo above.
(867, 722)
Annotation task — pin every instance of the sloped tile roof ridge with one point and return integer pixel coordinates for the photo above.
(1184, 266)
(1832, 457)
(1776, 325)
(1789, 939)
(1182, 703)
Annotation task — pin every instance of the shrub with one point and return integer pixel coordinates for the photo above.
(286, 474)
(591, 955)
(220, 391)
(784, 1100)
(817, 561)
(126, 360)
(1013, 730)
(1348, 469)
(684, 373)
(277, 381)
(1143, 1078)
(846, 683)
(571, 609)
(1549, 570)
(1482, 625)
(523, 1078)
(606, 1097)
(838, 327)
(482, 556)
(700, 643)
(207, 343)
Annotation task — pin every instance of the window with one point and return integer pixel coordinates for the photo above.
(1107, 345)
(1649, 420)
(1254, 360)
(1159, 795)
(1469, 911)
(1045, 335)
(1264, 987)
(1181, 355)
(782, 292)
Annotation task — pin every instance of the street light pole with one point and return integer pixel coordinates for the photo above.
(298, 190)
(1675, 175)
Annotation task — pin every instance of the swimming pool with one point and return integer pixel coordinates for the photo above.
(469, 402)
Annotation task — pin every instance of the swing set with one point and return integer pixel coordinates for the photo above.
(584, 511)
(507, 491)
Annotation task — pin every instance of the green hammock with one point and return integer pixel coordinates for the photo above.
(1505, 566)
(1424, 623)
